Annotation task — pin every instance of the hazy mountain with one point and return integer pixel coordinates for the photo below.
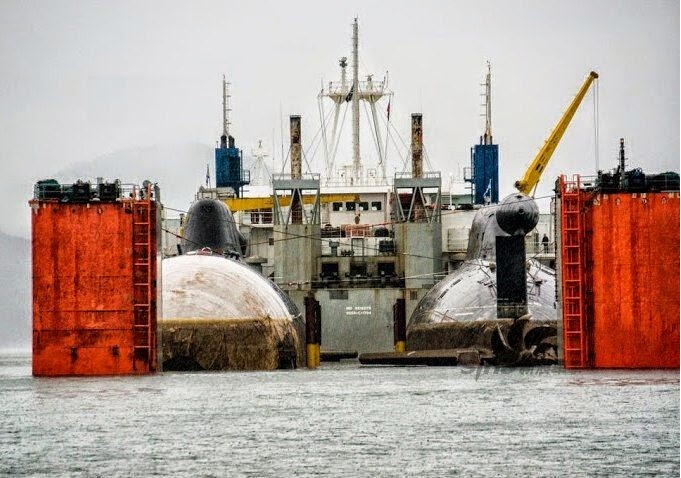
(15, 292)
(179, 169)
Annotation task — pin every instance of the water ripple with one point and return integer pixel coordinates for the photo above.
(341, 420)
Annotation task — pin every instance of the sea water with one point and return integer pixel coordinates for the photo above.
(341, 420)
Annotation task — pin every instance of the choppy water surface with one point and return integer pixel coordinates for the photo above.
(341, 420)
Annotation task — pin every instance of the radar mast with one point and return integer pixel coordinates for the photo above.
(353, 92)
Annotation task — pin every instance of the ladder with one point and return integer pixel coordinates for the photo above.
(143, 256)
(573, 278)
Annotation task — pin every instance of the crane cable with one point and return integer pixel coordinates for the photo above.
(596, 127)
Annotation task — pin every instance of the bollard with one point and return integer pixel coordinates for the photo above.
(318, 335)
(400, 325)
(311, 327)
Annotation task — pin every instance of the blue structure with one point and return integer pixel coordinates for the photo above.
(485, 178)
(485, 156)
(229, 166)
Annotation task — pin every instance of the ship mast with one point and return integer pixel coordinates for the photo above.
(260, 174)
(353, 91)
(487, 138)
(225, 107)
(356, 161)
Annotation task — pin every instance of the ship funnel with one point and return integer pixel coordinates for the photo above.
(296, 151)
(296, 169)
(417, 145)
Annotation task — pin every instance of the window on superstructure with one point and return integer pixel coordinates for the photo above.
(350, 206)
(376, 205)
(364, 206)
(338, 206)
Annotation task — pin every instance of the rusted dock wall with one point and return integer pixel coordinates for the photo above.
(634, 244)
(91, 316)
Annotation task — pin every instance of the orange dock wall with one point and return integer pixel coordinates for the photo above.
(634, 244)
(84, 292)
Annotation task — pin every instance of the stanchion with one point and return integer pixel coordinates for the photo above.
(312, 326)
(400, 325)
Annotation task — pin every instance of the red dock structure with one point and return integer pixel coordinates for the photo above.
(95, 279)
(619, 271)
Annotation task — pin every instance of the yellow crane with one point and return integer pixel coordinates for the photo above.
(534, 171)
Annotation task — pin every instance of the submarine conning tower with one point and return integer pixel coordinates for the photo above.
(516, 215)
(497, 236)
(210, 224)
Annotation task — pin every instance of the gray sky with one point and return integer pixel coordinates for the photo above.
(82, 79)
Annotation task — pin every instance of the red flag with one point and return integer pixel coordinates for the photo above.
(388, 110)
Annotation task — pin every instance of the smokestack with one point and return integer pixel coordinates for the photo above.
(296, 156)
(417, 145)
(296, 170)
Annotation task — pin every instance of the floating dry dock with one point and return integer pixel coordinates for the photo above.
(619, 269)
(94, 278)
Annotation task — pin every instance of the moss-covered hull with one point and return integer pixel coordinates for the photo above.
(230, 344)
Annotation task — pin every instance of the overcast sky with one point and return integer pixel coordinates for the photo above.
(81, 79)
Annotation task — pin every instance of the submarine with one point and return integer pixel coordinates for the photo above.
(497, 298)
(218, 313)
(499, 301)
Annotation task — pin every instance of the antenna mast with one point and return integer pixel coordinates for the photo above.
(487, 139)
(259, 169)
(353, 91)
(225, 107)
(356, 161)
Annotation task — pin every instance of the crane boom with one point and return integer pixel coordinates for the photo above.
(535, 170)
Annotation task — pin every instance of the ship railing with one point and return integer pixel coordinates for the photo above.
(336, 88)
(289, 177)
(351, 182)
(426, 175)
(86, 191)
(533, 247)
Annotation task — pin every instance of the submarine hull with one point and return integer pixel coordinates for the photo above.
(484, 304)
(219, 314)
(460, 311)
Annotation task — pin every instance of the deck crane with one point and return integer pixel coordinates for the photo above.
(534, 171)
